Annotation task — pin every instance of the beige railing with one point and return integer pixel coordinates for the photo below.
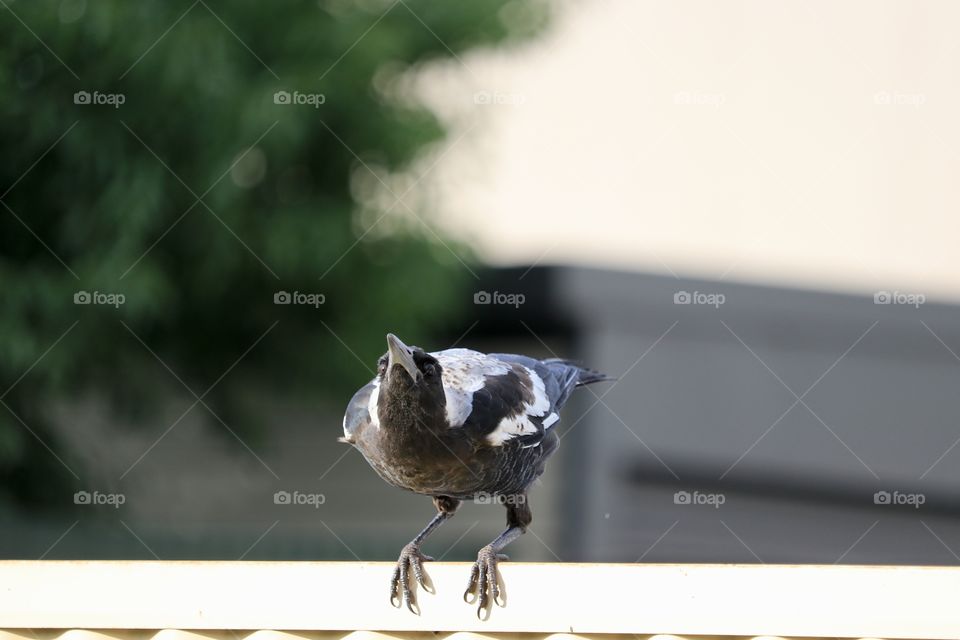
(321, 600)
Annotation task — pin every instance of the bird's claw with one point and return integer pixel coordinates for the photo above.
(484, 584)
(401, 592)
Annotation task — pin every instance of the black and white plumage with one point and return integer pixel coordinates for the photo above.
(457, 425)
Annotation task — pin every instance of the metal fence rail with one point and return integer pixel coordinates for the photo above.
(78, 600)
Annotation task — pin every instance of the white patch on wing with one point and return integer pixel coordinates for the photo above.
(520, 424)
(465, 372)
(372, 404)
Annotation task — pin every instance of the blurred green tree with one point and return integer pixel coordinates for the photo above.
(204, 194)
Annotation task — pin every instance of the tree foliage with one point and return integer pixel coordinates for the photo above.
(200, 197)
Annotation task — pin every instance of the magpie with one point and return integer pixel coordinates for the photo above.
(459, 425)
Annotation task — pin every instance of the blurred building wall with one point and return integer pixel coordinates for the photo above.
(801, 421)
(809, 144)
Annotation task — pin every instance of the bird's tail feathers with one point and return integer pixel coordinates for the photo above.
(589, 376)
(585, 375)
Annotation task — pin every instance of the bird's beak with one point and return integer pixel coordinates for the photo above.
(399, 353)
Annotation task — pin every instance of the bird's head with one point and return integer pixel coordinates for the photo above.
(410, 377)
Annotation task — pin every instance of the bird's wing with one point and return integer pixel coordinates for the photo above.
(502, 397)
(464, 373)
(361, 411)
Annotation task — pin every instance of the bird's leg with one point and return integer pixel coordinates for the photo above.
(411, 558)
(484, 584)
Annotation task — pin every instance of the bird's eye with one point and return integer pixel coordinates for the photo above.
(382, 366)
(429, 370)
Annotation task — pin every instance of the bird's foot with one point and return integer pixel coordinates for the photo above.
(400, 588)
(485, 584)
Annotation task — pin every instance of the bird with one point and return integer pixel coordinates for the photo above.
(460, 425)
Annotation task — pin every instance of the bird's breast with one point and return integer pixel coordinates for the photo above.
(428, 463)
(449, 464)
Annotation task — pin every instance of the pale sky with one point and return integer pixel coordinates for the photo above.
(807, 144)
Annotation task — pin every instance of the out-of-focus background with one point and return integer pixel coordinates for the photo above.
(213, 212)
